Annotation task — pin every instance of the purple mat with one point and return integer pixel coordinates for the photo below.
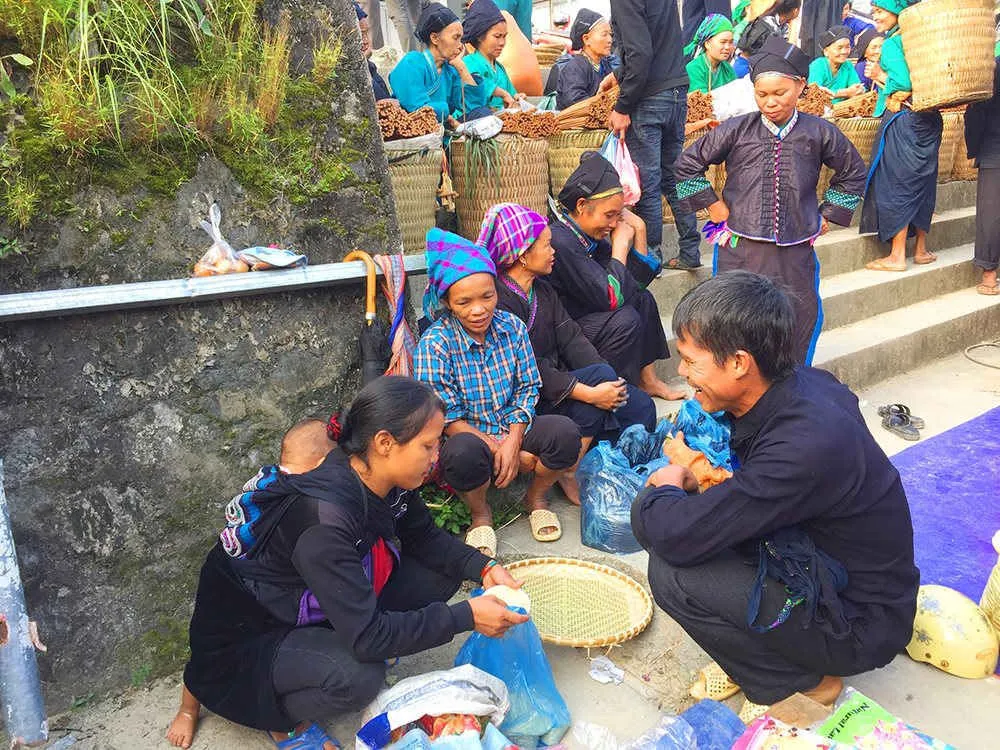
(952, 481)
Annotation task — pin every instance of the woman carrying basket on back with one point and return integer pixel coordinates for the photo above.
(902, 183)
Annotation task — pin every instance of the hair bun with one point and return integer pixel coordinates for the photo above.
(334, 430)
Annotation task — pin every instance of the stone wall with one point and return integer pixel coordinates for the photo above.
(125, 433)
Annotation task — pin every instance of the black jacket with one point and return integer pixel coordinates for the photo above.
(763, 174)
(806, 460)
(982, 128)
(648, 35)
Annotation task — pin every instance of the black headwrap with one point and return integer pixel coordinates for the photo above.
(481, 16)
(594, 178)
(834, 34)
(861, 43)
(778, 56)
(584, 22)
(433, 19)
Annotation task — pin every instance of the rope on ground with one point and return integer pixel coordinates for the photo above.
(989, 344)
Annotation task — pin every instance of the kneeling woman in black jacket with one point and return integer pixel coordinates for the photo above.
(346, 569)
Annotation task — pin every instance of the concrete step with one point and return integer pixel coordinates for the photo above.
(840, 251)
(884, 345)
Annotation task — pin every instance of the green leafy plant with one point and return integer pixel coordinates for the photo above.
(6, 84)
(452, 515)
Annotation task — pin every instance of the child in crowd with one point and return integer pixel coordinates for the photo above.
(303, 448)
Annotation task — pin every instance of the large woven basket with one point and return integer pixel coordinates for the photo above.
(862, 132)
(582, 604)
(952, 134)
(716, 174)
(963, 168)
(565, 150)
(522, 177)
(949, 47)
(415, 176)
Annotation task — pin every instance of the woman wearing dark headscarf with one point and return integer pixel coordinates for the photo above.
(437, 77)
(832, 71)
(486, 30)
(592, 235)
(711, 49)
(379, 87)
(576, 381)
(868, 49)
(579, 77)
(768, 217)
(902, 183)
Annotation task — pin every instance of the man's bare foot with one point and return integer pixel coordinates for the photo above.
(827, 691)
(181, 731)
(570, 487)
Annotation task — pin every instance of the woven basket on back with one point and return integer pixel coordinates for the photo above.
(716, 175)
(963, 168)
(582, 604)
(861, 132)
(415, 176)
(522, 177)
(949, 47)
(565, 150)
(951, 135)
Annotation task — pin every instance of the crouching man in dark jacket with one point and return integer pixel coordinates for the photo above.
(799, 569)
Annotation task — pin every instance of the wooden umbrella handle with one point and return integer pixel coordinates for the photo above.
(370, 291)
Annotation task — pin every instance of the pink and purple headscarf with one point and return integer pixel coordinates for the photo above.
(450, 258)
(508, 231)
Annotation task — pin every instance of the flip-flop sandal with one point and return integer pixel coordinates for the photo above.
(899, 425)
(542, 519)
(926, 260)
(678, 264)
(713, 683)
(483, 538)
(916, 421)
(988, 290)
(313, 738)
(881, 265)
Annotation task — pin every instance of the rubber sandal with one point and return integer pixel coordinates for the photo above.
(917, 422)
(899, 425)
(931, 258)
(679, 264)
(881, 265)
(483, 538)
(713, 683)
(313, 738)
(988, 290)
(543, 518)
(752, 711)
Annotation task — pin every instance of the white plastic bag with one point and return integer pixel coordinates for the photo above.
(482, 128)
(734, 99)
(219, 258)
(616, 152)
(462, 690)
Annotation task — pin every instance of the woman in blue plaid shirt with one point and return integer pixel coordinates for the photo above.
(480, 362)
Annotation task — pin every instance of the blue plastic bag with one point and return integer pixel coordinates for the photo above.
(715, 725)
(708, 433)
(641, 447)
(538, 714)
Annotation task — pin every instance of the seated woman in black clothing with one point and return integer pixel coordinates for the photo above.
(583, 72)
(344, 570)
(576, 381)
(593, 236)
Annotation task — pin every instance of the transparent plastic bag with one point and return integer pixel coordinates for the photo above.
(219, 258)
(616, 152)
(538, 714)
(640, 446)
(670, 733)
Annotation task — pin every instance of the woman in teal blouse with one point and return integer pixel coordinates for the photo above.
(902, 182)
(486, 30)
(437, 77)
(832, 71)
(712, 47)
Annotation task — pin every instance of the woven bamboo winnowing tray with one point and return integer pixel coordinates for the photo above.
(582, 604)
(949, 48)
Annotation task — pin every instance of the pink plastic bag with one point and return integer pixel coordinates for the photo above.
(616, 152)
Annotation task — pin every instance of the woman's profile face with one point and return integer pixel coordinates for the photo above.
(410, 463)
(720, 47)
(540, 257)
(448, 41)
(598, 40)
(884, 20)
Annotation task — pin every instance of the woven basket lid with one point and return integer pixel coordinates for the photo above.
(583, 604)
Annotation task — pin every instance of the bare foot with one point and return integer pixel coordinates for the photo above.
(569, 486)
(181, 731)
(658, 389)
(887, 263)
(827, 691)
(922, 259)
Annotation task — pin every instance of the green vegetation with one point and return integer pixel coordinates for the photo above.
(452, 515)
(128, 93)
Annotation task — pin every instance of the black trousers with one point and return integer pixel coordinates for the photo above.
(987, 255)
(710, 602)
(630, 337)
(315, 672)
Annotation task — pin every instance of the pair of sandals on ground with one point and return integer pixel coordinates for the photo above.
(714, 684)
(898, 420)
(545, 527)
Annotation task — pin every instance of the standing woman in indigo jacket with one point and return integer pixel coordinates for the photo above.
(902, 183)
(436, 77)
(982, 139)
(347, 570)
